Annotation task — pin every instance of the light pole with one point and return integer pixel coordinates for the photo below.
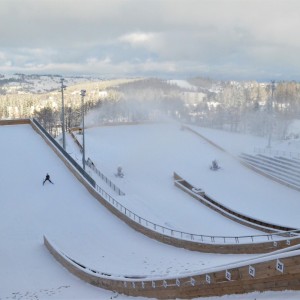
(271, 113)
(82, 93)
(63, 112)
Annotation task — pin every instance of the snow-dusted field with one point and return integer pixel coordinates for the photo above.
(39, 83)
(82, 228)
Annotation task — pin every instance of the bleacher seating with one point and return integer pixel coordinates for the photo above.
(285, 170)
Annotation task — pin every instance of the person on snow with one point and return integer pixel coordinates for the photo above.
(47, 179)
(120, 172)
(215, 166)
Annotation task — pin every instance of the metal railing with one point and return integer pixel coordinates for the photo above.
(197, 238)
(65, 154)
(91, 165)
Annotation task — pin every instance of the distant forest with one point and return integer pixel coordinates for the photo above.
(247, 107)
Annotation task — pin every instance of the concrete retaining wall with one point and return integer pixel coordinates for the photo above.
(225, 211)
(272, 274)
(15, 122)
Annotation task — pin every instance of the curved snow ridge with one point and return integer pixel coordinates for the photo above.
(191, 241)
(202, 197)
(279, 270)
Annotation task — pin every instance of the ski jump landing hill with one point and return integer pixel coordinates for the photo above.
(279, 237)
(279, 270)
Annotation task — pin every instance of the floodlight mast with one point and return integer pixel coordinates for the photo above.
(63, 112)
(82, 93)
(271, 113)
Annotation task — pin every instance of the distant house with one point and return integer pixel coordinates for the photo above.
(103, 94)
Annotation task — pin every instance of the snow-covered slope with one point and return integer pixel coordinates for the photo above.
(149, 154)
(21, 83)
(78, 224)
(74, 220)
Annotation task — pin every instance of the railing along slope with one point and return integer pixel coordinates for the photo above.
(91, 165)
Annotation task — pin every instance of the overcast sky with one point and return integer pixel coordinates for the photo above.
(226, 39)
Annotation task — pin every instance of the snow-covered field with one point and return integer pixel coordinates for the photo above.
(39, 83)
(81, 227)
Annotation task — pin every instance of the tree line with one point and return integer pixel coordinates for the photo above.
(247, 107)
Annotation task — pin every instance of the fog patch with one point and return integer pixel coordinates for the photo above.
(146, 105)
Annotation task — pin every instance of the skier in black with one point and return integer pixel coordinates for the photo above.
(47, 178)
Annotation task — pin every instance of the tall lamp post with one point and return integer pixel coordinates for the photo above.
(63, 113)
(82, 93)
(271, 113)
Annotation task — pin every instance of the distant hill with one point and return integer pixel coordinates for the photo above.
(34, 84)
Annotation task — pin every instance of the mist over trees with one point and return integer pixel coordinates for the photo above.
(246, 107)
(139, 101)
(16, 102)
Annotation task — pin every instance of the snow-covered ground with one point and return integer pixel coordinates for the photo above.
(150, 153)
(38, 83)
(81, 227)
(183, 84)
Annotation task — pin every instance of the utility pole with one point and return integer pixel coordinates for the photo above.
(270, 108)
(82, 93)
(63, 113)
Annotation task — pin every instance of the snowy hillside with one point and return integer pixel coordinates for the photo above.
(89, 233)
(183, 84)
(21, 83)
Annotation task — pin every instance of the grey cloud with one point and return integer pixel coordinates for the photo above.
(240, 38)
